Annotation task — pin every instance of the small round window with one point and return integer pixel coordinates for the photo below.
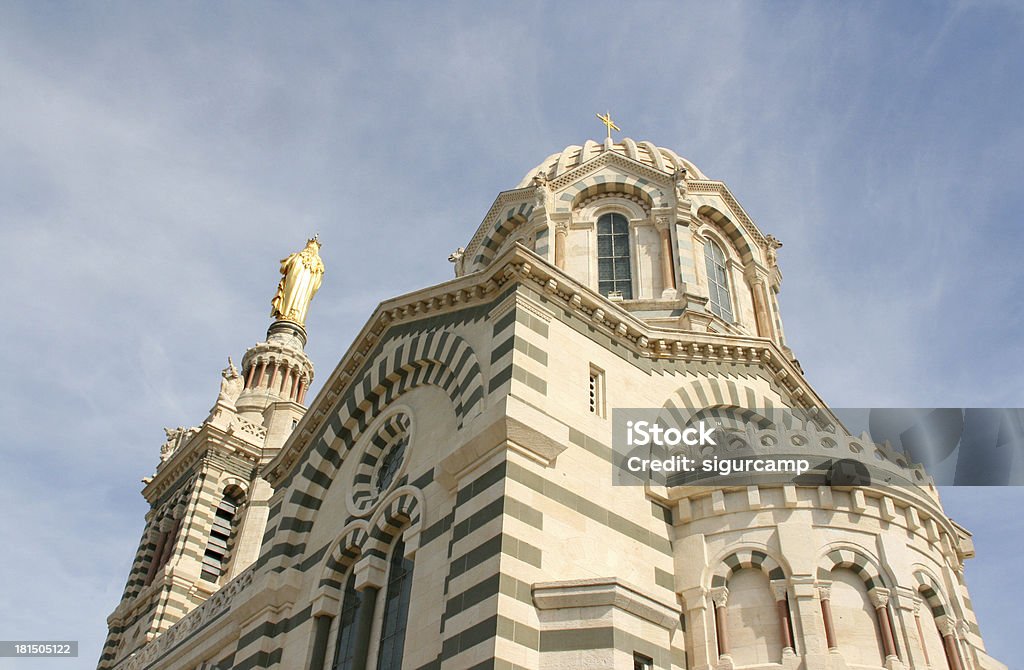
(381, 463)
(390, 463)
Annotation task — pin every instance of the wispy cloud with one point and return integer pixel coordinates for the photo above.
(156, 161)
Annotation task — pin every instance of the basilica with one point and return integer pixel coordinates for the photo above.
(447, 501)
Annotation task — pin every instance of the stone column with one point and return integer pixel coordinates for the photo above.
(293, 392)
(561, 235)
(779, 589)
(964, 646)
(321, 631)
(905, 610)
(248, 379)
(947, 629)
(154, 563)
(699, 264)
(762, 311)
(824, 595)
(720, 597)
(274, 367)
(920, 636)
(880, 601)
(323, 608)
(668, 269)
(364, 624)
(699, 636)
(284, 379)
(371, 575)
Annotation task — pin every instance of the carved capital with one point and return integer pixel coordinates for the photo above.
(720, 596)
(879, 597)
(946, 624)
(371, 572)
(780, 587)
(679, 178)
(561, 228)
(824, 590)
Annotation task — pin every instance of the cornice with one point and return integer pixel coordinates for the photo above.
(603, 592)
(504, 198)
(271, 351)
(209, 437)
(607, 158)
(713, 187)
(571, 176)
(520, 265)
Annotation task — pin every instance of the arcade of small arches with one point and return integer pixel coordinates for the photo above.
(751, 595)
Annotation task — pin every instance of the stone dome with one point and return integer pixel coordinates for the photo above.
(643, 152)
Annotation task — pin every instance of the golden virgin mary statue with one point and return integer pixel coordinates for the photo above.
(301, 273)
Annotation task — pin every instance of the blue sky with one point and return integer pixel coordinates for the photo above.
(157, 160)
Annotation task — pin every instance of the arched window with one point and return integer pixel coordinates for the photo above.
(218, 548)
(396, 610)
(718, 281)
(753, 619)
(613, 269)
(856, 624)
(345, 646)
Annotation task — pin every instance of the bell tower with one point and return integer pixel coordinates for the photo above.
(208, 505)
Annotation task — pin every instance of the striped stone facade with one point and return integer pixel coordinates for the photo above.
(460, 427)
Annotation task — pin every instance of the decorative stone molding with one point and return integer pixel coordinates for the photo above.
(643, 204)
(720, 596)
(605, 591)
(780, 588)
(194, 620)
(248, 427)
(520, 263)
(662, 219)
(879, 597)
(709, 187)
(746, 558)
(371, 571)
(946, 624)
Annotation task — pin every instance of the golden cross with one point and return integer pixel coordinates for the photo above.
(607, 121)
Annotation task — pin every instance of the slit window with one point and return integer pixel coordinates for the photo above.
(596, 391)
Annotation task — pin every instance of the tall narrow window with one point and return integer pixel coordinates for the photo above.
(596, 391)
(614, 277)
(345, 646)
(396, 610)
(217, 554)
(718, 281)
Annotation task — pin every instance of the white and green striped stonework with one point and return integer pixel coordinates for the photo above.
(465, 436)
